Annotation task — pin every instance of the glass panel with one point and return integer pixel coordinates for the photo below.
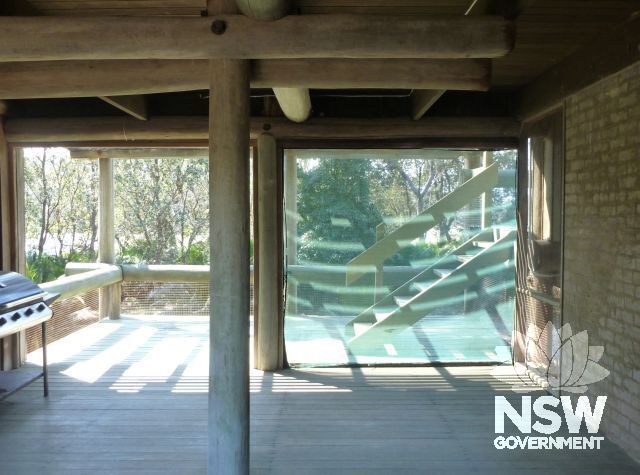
(399, 256)
(539, 280)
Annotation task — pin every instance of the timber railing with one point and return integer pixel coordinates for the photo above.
(148, 272)
(372, 258)
(70, 286)
(78, 305)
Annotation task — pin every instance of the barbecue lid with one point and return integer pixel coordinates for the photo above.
(16, 289)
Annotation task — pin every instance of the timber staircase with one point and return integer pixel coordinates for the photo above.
(482, 181)
(441, 284)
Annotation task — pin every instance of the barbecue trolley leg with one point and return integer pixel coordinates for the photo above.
(45, 372)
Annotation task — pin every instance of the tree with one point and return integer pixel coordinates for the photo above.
(337, 217)
(408, 187)
(162, 210)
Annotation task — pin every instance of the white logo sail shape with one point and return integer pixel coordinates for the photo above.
(571, 368)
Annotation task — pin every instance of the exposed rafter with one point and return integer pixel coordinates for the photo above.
(135, 106)
(607, 54)
(423, 100)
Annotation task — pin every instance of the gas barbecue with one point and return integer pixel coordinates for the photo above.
(23, 305)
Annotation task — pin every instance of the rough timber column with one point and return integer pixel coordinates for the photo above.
(12, 348)
(109, 296)
(291, 219)
(267, 356)
(229, 238)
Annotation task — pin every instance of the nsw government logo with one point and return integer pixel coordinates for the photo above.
(564, 365)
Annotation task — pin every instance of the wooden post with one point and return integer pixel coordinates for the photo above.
(291, 220)
(20, 233)
(381, 230)
(472, 220)
(229, 240)
(471, 160)
(486, 200)
(268, 353)
(5, 200)
(109, 296)
(9, 346)
(13, 349)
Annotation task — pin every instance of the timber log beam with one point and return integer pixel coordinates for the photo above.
(51, 79)
(194, 129)
(237, 36)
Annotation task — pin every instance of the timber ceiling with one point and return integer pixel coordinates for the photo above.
(547, 30)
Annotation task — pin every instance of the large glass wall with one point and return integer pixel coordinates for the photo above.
(399, 256)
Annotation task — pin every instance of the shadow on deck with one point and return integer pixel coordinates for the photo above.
(129, 396)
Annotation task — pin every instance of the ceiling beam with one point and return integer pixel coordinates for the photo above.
(195, 129)
(236, 36)
(50, 79)
(609, 53)
(422, 100)
(93, 153)
(135, 106)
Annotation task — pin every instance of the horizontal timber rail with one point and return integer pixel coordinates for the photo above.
(40, 38)
(24, 80)
(149, 272)
(177, 273)
(99, 276)
(172, 129)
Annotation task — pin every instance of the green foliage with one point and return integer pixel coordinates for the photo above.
(134, 252)
(198, 253)
(337, 218)
(46, 268)
(162, 210)
(422, 253)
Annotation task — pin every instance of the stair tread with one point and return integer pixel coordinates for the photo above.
(360, 328)
(379, 316)
(464, 257)
(443, 272)
(402, 301)
(422, 286)
(483, 244)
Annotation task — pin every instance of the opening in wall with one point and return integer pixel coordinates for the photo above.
(539, 273)
(399, 255)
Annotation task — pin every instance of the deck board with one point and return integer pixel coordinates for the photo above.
(123, 411)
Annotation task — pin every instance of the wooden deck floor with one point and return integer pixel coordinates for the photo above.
(130, 397)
